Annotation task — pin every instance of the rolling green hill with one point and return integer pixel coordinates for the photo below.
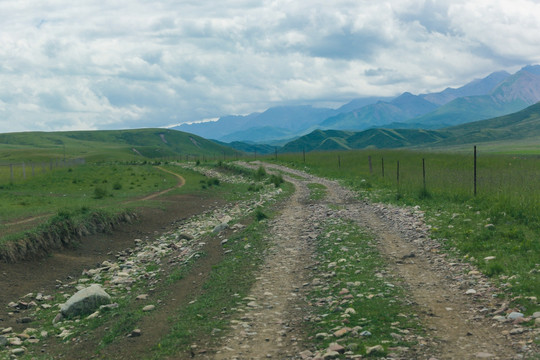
(522, 127)
(105, 145)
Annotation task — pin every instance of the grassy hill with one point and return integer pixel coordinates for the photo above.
(105, 145)
(519, 130)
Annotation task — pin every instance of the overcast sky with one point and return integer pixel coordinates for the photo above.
(90, 64)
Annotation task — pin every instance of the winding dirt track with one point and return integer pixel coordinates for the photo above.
(181, 182)
(269, 327)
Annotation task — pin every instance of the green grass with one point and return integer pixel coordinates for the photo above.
(228, 283)
(350, 264)
(508, 197)
(110, 145)
(90, 185)
(316, 191)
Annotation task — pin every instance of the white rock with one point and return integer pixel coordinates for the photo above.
(148, 308)
(85, 301)
(515, 315)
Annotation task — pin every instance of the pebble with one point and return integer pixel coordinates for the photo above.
(373, 349)
(148, 308)
(18, 351)
(470, 292)
(484, 355)
(342, 332)
(514, 315)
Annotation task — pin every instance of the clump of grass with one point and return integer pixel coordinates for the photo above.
(260, 174)
(100, 192)
(277, 180)
(260, 215)
(254, 187)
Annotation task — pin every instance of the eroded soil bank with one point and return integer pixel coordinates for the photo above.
(34, 276)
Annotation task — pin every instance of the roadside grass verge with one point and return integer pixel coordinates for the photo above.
(356, 301)
(503, 220)
(228, 284)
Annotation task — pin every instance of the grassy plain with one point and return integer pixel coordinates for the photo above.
(502, 220)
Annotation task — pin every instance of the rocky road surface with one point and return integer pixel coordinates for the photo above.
(455, 302)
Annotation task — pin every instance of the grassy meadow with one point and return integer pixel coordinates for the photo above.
(502, 220)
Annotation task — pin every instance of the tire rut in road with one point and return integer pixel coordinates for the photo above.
(458, 325)
(269, 325)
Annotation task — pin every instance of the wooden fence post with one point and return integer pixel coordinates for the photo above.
(474, 170)
(398, 174)
(424, 174)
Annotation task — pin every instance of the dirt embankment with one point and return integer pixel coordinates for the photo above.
(18, 279)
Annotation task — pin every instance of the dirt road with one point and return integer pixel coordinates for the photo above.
(455, 318)
(454, 302)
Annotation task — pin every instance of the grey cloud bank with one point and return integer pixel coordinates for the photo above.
(129, 64)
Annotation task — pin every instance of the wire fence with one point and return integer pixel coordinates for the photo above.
(13, 172)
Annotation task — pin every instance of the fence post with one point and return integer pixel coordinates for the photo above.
(474, 170)
(382, 166)
(11, 171)
(424, 173)
(339, 161)
(398, 174)
(370, 166)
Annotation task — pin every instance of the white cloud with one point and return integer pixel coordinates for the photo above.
(93, 65)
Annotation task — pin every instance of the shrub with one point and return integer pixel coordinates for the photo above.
(260, 174)
(117, 186)
(99, 192)
(259, 215)
(277, 180)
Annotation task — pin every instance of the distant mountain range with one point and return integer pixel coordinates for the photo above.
(498, 94)
(518, 126)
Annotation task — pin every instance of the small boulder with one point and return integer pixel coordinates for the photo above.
(219, 228)
(148, 308)
(85, 301)
(374, 349)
